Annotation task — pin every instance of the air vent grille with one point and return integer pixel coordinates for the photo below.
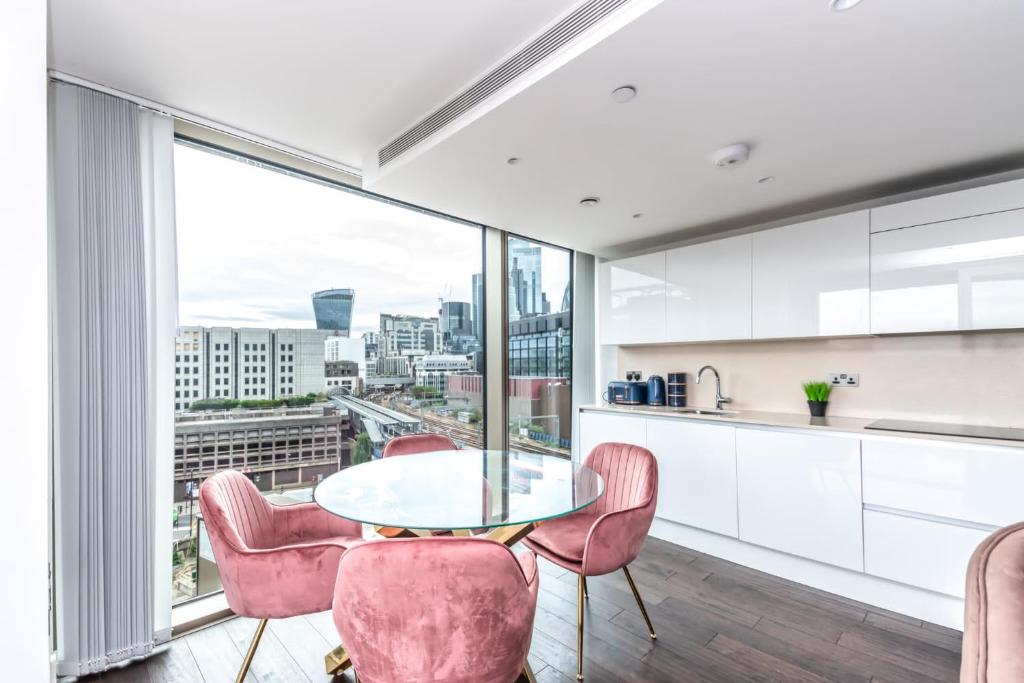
(566, 29)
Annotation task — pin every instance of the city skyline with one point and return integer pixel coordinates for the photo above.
(239, 268)
(254, 244)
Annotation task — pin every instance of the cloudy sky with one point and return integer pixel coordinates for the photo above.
(253, 244)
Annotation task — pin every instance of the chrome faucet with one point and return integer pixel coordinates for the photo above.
(719, 399)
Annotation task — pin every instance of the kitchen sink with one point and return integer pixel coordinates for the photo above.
(705, 411)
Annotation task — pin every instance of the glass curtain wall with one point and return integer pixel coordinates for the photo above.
(316, 323)
(539, 347)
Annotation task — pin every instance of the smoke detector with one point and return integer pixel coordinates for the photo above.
(731, 155)
(590, 201)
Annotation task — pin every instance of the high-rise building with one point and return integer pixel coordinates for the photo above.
(332, 309)
(246, 363)
(526, 295)
(456, 319)
(401, 334)
(478, 306)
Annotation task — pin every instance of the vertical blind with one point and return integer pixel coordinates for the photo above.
(104, 417)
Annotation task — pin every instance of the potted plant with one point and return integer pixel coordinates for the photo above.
(817, 397)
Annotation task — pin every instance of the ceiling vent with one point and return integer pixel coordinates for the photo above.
(566, 29)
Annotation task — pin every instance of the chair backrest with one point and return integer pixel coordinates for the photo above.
(630, 476)
(417, 443)
(449, 609)
(237, 516)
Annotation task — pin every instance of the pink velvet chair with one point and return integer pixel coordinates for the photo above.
(417, 443)
(993, 649)
(274, 561)
(609, 534)
(462, 611)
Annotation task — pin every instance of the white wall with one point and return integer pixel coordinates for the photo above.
(24, 628)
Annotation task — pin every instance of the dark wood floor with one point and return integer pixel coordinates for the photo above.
(716, 622)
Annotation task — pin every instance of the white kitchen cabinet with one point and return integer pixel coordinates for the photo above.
(708, 290)
(979, 484)
(597, 428)
(801, 494)
(631, 300)
(965, 274)
(811, 279)
(949, 206)
(696, 473)
(919, 552)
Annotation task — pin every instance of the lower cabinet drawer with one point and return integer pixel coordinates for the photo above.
(927, 554)
(978, 484)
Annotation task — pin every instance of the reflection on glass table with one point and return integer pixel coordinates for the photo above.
(460, 490)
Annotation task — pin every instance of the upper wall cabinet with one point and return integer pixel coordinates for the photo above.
(949, 206)
(631, 300)
(708, 288)
(949, 262)
(811, 279)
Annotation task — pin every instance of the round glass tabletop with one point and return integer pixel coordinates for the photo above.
(466, 489)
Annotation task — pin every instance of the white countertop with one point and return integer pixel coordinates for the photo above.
(847, 425)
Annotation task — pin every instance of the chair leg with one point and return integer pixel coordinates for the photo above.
(640, 603)
(586, 593)
(528, 672)
(252, 651)
(580, 590)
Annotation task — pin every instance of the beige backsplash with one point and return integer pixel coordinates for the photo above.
(975, 378)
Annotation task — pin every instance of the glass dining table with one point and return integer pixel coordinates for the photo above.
(496, 494)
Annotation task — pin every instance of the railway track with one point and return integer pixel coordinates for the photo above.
(469, 435)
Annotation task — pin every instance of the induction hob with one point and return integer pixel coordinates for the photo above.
(944, 429)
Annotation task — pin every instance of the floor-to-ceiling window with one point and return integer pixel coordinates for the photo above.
(539, 346)
(316, 323)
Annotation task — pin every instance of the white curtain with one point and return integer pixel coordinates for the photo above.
(113, 334)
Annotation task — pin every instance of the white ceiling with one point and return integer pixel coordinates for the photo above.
(836, 105)
(330, 77)
(831, 102)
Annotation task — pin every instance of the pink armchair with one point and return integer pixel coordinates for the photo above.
(417, 443)
(462, 613)
(609, 534)
(274, 561)
(993, 649)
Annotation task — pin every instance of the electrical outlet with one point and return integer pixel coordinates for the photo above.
(844, 379)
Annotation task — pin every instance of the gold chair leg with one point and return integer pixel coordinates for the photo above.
(252, 651)
(528, 672)
(640, 603)
(586, 593)
(579, 627)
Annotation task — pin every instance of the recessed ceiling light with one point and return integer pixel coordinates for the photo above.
(623, 94)
(842, 5)
(638, 215)
(766, 179)
(512, 161)
(590, 201)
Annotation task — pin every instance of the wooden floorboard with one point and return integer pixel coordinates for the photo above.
(717, 622)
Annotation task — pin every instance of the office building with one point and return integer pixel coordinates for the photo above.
(247, 363)
(344, 375)
(401, 334)
(456, 319)
(434, 371)
(332, 309)
(540, 346)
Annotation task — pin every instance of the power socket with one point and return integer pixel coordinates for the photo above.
(844, 379)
